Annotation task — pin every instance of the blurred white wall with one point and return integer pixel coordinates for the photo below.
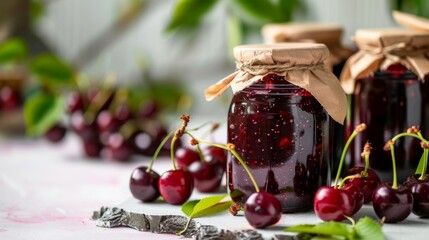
(68, 25)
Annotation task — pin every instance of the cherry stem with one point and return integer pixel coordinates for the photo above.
(418, 136)
(155, 155)
(343, 155)
(345, 180)
(200, 153)
(365, 171)
(350, 219)
(237, 156)
(186, 227)
(425, 162)
(173, 141)
(395, 178)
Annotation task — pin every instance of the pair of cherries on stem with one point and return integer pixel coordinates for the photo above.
(395, 202)
(189, 169)
(335, 203)
(261, 209)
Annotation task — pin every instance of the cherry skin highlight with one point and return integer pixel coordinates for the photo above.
(185, 157)
(262, 209)
(357, 194)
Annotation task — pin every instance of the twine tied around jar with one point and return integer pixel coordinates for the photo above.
(380, 48)
(301, 64)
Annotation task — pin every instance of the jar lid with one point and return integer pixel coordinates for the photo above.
(411, 21)
(271, 54)
(301, 64)
(381, 38)
(329, 34)
(380, 48)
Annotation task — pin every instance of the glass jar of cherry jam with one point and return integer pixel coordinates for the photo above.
(279, 121)
(282, 133)
(389, 101)
(389, 94)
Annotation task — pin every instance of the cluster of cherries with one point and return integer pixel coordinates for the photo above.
(202, 169)
(391, 202)
(10, 98)
(108, 125)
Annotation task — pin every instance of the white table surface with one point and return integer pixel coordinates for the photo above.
(50, 192)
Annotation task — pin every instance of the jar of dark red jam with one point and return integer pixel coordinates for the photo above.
(389, 99)
(278, 121)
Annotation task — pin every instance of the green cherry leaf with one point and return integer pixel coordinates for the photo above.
(217, 208)
(51, 70)
(188, 207)
(189, 13)
(419, 169)
(367, 228)
(206, 203)
(325, 228)
(13, 50)
(41, 112)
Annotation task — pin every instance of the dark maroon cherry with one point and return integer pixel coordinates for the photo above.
(9, 98)
(81, 127)
(56, 133)
(365, 184)
(357, 194)
(122, 113)
(92, 147)
(262, 209)
(143, 143)
(176, 186)
(207, 175)
(185, 157)
(148, 110)
(216, 153)
(74, 102)
(144, 184)
(411, 180)
(332, 204)
(106, 122)
(393, 204)
(118, 148)
(420, 191)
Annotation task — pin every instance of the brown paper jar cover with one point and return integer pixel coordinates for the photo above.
(410, 21)
(380, 48)
(328, 34)
(302, 64)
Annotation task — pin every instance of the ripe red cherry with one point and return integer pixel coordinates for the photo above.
(106, 122)
(262, 209)
(207, 175)
(420, 191)
(185, 157)
(176, 186)
(144, 184)
(366, 184)
(92, 147)
(216, 153)
(357, 194)
(393, 204)
(56, 133)
(332, 204)
(143, 143)
(83, 128)
(9, 98)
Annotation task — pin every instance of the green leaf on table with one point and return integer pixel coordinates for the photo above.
(13, 50)
(325, 228)
(51, 70)
(367, 228)
(188, 207)
(205, 204)
(189, 13)
(41, 112)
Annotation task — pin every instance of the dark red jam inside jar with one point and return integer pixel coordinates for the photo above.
(389, 102)
(283, 134)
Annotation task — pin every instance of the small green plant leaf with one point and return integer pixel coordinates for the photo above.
(12, 51)
(325, 228)
(188, 207)
(206, 203)
(51, 70)
(367, 228)
(217, 208)
(42, 111)
(189, 13)
(420, 167)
